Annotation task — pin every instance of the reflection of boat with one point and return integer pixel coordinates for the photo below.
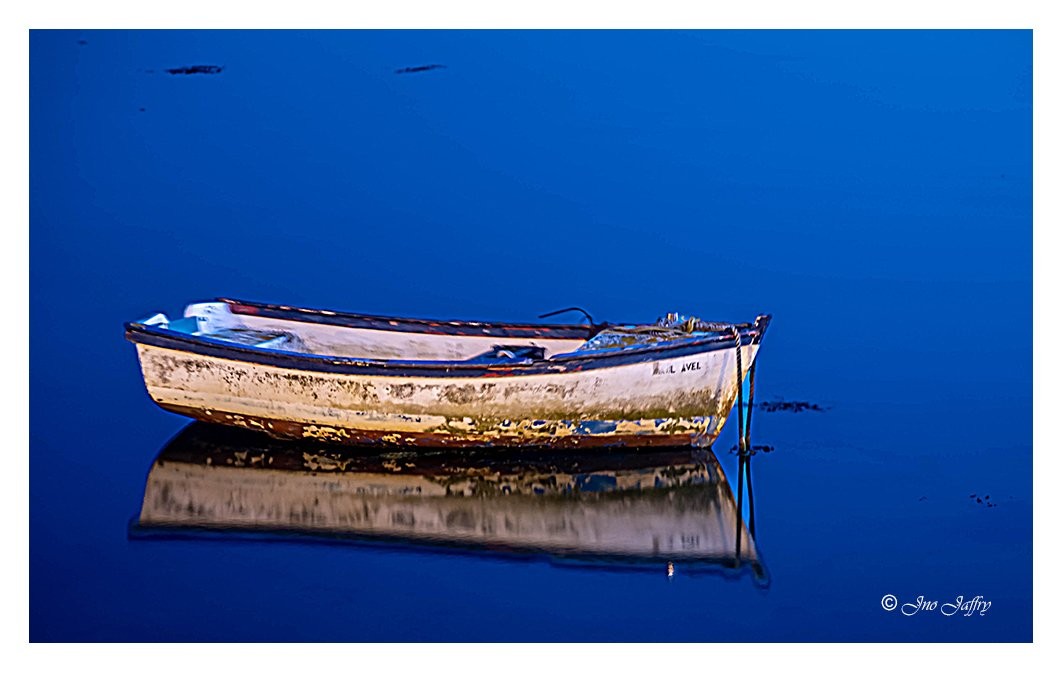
(634, 507)
(349, 378)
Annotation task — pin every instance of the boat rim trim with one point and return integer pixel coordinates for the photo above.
(205, 345)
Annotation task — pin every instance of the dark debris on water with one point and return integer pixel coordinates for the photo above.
(756, 448)
(196, 70)
(795, 407)
(983, 500)
(418, 68)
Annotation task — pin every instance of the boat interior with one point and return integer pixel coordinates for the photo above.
(334, 334)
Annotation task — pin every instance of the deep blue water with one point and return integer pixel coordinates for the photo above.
(872, 190)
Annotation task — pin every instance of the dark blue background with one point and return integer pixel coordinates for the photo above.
(870, 189)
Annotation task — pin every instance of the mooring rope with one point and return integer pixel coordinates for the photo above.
(745, 452)
(749, 411)
(738, 519)
(738, 376)
(749, 489)
(749, 450)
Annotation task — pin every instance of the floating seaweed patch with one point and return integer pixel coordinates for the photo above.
(755, 449)
(196, 70)
(793, 407)
(418, 68)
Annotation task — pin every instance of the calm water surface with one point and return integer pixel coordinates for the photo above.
(871, 190)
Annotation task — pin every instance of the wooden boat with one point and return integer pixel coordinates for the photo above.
(647, 508)
(350, 378)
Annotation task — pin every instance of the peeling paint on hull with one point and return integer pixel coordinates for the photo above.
(353, 436)
(666, 402)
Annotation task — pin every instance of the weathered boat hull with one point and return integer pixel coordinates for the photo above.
(314, 374)
(667, 402)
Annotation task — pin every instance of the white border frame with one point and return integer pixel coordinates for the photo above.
(21, 15)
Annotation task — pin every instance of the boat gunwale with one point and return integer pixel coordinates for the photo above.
(153, 335)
